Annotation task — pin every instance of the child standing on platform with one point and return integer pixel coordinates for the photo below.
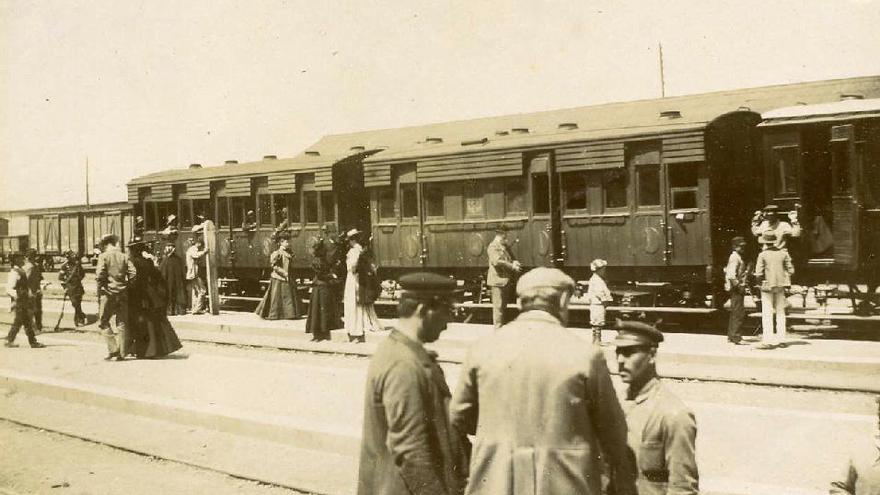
(598, 296)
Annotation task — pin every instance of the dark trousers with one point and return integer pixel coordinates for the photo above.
(737, 314)
(37, 310)
(79, 317)
(22, 318)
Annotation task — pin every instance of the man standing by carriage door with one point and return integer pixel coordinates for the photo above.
(734, 282)
(502, 267)
(34, 275)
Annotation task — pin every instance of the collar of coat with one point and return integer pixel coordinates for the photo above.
(647, 391)
(538, 315)
(424, 355)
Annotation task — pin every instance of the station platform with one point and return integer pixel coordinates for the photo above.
(802, 361)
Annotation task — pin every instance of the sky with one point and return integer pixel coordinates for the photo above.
(135, 87)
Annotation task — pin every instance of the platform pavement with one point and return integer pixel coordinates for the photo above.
(202, 404)
(805, 362)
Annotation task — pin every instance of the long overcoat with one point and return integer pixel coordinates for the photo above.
(173, 271)
(542, 406)
(408, 447)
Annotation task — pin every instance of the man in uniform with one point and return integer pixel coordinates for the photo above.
(540, 401)
(18, 290)
(71, 275)
(502, 267)
(662, 430)
(408, 446)
(113, 274)
(34, 275)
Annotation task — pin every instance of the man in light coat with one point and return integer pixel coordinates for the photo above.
(662, 429)
(196, 275)
(502, 267)
(113, 275)
(541, 404)
(408, 447)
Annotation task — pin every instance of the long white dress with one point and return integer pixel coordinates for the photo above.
(358, 317)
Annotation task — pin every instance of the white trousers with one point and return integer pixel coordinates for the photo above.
(773, 302)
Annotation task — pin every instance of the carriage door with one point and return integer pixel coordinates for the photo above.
(844, 169)
(649, 234)
(538, 245)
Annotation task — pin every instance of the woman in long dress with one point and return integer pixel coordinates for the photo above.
(150, 332)
(360, 315)
(281, 301)
(323, 305)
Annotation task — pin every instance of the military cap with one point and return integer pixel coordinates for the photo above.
(738, 241)
(543, 278)
(636, 333)
(427, 286)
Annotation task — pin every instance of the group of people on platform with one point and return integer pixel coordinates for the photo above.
(343, 278)
(537, 399)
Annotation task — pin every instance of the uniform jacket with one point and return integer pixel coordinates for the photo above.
(114, 271)
(501, 267)
(34, 275)
(542, 406)
(662, 435)
(774, 268)
(408, 446)
(71, 275)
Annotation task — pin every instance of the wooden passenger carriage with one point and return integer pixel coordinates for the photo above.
(656, 187)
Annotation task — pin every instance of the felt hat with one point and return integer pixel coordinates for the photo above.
(543, 278)
(427, 286)
(352, 233)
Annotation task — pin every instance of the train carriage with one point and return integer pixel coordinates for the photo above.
(656, 187)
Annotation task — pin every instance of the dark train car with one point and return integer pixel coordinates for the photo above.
(12, 244)
(308, 186)
(824, 161)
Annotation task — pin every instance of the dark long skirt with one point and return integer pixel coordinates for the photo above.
(279, 303)
(323, 311)
(153, 335)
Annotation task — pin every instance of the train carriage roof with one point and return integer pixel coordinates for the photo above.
(823, 112)
(530, 130)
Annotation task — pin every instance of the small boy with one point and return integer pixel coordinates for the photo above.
(734, 283)
(773, 270)
(598, 296)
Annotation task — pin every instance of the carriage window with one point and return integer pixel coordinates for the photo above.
(265, 210)
(279, 202)
(184, 213)
(574, 187)
(840, 162)
(648, 177)
(474, 201)
(386, 203)
(540, 194)
(200, 207)
(614, 184)
(328, 207)
(238, 205)
(409, 205)
(433, 200)
(683, 185)
(294, 209)
(223, 211)
(164, 209)
(785, 160)
(149, 215)
(515, 196)
(310, 206)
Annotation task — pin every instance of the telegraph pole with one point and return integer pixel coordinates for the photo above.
(662, 79)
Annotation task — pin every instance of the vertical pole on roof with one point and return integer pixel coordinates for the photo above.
(88, 204)
(662, 79)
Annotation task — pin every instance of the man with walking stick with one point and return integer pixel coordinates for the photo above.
(71, 275)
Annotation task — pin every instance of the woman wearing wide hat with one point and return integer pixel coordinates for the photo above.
(323, 306)
(151, 334)
(281, 301)
(360, 315)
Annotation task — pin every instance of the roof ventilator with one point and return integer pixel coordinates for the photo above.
(433, 140)
(230, 162)
(851, 96)
(195, 165)
(744, 109)
(313, 153)
(519, 130)
(501, 133)
(475, 141)
(270, 157)
(357, 148)
(568, 126)
(670, 114)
